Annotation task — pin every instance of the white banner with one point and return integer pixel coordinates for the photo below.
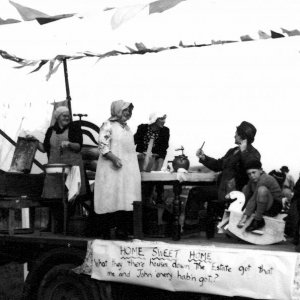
(223, 271)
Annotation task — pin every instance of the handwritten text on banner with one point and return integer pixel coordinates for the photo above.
(224, 271)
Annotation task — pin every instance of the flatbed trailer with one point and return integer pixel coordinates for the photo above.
(51, 259)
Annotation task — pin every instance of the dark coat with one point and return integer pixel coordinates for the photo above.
(161, 144)
(233, 176)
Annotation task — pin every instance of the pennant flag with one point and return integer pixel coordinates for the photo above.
(26, 63)
(263, 35)
(162, 5)
(49, 19)
(29, 14)
(276, 35)
(53, 69)
(291, 32)
(6, 55)
(124, 14)
(8, 21)
(39, 66)
(246, 38)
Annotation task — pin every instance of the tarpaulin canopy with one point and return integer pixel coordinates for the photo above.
(43, 34)
(205, 91)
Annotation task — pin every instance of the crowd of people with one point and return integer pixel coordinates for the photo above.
(124, 154)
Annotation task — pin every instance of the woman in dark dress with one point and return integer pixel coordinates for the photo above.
(152, 139)
(159, 133)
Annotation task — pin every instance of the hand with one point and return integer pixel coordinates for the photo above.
(286, 203)
(200, 154)
(243, 145)
(65, 144)
(227, 196)
(117, 162)
(141, 155)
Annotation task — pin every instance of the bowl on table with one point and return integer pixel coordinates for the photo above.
(57, 168)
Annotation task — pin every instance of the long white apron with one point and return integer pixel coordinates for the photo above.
(52, 184)
(117, 189)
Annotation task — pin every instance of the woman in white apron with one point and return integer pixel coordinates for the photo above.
(118, 179)
(62, 144)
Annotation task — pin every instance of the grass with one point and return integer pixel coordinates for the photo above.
(11, 281)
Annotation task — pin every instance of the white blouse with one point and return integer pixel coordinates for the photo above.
(105, 137)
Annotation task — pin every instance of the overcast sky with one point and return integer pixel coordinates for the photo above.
(206, 92)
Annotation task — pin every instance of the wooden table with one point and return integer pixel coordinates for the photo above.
(166, 178)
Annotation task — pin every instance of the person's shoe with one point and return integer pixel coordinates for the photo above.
(255, 225)
(242, 221)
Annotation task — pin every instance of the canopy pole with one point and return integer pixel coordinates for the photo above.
(67, 86)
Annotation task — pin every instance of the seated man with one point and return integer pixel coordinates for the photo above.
(263, 196)
(233, 176)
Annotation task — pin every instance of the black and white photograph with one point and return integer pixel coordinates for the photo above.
(149, 149)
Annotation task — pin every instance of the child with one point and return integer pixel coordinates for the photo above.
(263, 196)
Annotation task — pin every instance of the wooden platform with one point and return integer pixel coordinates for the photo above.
(199, 238)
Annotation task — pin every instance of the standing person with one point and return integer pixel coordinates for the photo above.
(288, 184)
(118, 180)
(152, 142)
(233, 175)
(62, 143)
(158, 134)
(263, 196)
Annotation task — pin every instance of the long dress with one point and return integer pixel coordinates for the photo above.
(116, 189)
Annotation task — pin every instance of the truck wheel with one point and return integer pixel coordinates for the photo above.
(45, 263)
(51, 277)
(61, 283)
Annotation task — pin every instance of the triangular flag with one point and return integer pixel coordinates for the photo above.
(8, 21)
(124, 14)
(263, 35)
(40, 65)
(162, 5)
(276, 35)
(246, 38)
(53, 69)
(49, 19)
(291, 32)
(6, 55)
(28, 14)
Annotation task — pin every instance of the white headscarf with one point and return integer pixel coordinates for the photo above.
(116, 109)
(60, 110)
(156, 115)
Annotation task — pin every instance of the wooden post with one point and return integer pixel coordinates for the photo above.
(67, 87)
